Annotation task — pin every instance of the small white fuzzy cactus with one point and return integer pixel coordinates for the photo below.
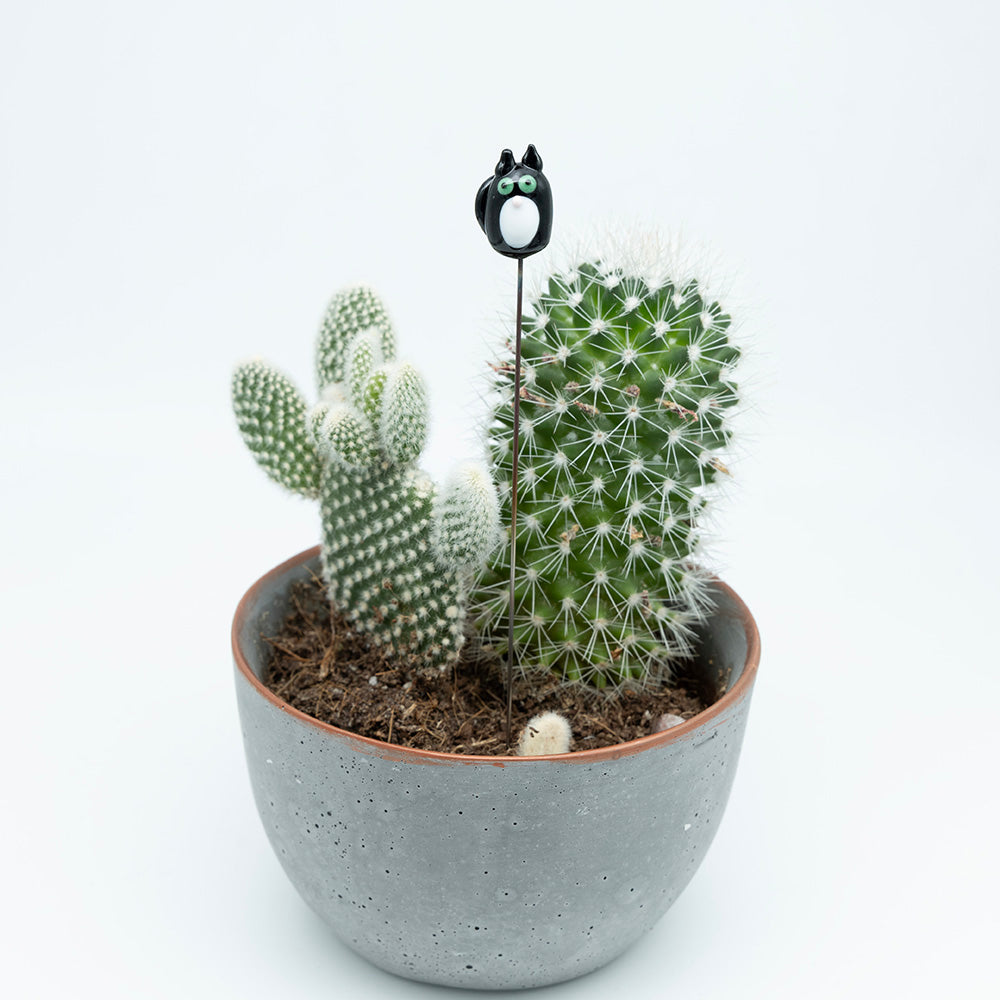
(547, 733)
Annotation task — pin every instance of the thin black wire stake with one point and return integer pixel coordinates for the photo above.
(513, 500)
(514, 209)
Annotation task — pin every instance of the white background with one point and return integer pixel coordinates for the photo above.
(183, 185)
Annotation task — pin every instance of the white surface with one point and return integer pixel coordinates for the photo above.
(183, 185)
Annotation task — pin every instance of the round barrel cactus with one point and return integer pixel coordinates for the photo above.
(627, 381)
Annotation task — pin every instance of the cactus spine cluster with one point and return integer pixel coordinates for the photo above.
(626, 385)
(397, 553)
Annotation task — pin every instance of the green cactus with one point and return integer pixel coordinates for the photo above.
(397, 556)
(626, 385)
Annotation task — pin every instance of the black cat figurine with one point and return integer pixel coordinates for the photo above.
(514, 206)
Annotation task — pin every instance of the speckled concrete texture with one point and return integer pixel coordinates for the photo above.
(492, 873)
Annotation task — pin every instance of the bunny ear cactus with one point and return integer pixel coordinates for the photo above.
(397, 556)
(626, 386)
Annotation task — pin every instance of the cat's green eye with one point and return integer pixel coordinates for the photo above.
(505, 186)
(527, 184)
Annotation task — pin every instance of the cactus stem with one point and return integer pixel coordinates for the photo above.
(627, 384)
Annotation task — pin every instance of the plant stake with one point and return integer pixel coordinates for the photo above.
(514, 209)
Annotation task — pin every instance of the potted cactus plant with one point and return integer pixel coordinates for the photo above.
(627, 382)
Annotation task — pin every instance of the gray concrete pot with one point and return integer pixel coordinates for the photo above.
(488, 872)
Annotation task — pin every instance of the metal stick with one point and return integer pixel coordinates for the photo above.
(513, 501)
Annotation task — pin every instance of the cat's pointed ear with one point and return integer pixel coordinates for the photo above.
(531, 158)
(506, 164)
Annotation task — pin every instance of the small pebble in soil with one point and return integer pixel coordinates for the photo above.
(666, 721)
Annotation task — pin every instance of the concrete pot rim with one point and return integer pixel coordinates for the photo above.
(394, 752)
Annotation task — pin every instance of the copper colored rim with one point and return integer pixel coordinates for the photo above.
(392, 751)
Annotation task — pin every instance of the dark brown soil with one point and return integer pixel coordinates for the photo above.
(322, 667)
